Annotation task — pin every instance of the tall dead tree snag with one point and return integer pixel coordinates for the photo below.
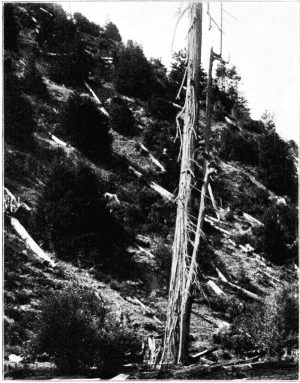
(175, 348)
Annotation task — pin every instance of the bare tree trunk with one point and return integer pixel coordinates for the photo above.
(175, 349)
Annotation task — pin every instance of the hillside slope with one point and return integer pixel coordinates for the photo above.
(138, 190)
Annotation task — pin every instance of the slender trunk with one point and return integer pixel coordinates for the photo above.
(179, 309)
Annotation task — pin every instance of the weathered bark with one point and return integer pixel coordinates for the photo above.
(175, 348)
(29, 242)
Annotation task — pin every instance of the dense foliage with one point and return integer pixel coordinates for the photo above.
(122, 119)
(267, 328)
(112, 32)
(86, 127)
(133, 72)
(78, 332)
(236, 146)
(19, 115)
(86, 26)
(76, 223)
(277, 169)
(11, 27)
(278, 239)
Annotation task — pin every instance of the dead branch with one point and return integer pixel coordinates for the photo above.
(213, 201)
(181, 86)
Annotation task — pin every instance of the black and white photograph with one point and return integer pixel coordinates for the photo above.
(150, 190)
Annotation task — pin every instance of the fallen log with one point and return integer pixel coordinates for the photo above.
(243, 292)
(204, 353)
(152, 158)
(220, 275)
(147, 309)
(120, 377)
(58, 141)
(209, 220)
(215, 288)
(232, 242)
(163, 192)
(197, 370)
(252, 220)
(144, 250)
(271, 277)
(96, 98)
(243, 248)
(157, 163)
(29, 242)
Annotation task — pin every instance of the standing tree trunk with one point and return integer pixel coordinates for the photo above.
(175, 348)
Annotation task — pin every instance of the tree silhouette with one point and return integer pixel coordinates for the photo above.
(134, 76)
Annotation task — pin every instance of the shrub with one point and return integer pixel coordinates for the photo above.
(74, 67)
(86, 127)
(267, 327)
(78, 332)
(278, 238)
(241, 147)
(122, 119)
(75, 221)
(162, 109)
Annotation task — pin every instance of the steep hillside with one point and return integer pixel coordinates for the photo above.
(97, 171)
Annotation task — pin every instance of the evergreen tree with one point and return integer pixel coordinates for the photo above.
(161, 81)
(134, 76)
(57, 31)
(87, 26)
(277, 169)
(111, 32)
